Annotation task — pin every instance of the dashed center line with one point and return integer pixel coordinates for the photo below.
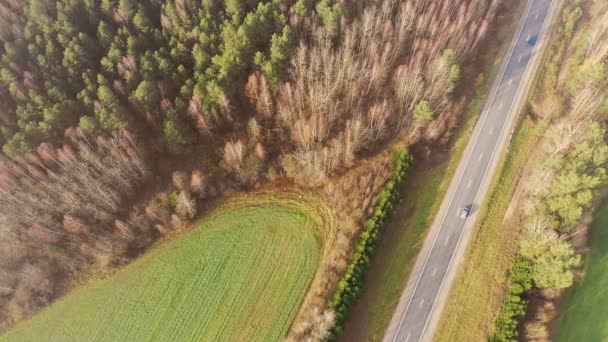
(520, 49)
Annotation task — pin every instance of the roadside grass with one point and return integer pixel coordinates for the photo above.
(475, 297)
(481, 282)
(418, 209)
(424, 191)
(411, 219)
(584, 313)
(408, 228)
(240, 275)
(409, 224)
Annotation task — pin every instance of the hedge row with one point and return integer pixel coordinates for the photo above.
(349, 287)
(514, 306)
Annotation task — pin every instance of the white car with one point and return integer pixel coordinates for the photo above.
(465, 212)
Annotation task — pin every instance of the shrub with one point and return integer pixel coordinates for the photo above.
(349, 287)
(515, 303)
(423, 113)
(173, 199)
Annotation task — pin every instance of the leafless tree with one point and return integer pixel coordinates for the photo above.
(186, 206)
(234, 153)
(180, 180)
(198, 183)
(597, 46)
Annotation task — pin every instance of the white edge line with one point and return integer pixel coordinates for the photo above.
(485, 172)
(504, 70)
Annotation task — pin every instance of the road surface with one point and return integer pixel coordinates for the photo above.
(410, 322)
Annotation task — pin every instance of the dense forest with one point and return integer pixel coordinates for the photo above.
(94, 92)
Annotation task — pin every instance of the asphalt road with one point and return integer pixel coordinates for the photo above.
(498, 109)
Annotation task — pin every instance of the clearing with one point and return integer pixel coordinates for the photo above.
(241, 274)
(584, 314)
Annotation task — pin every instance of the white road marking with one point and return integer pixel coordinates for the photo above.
(505, 63)
(500, 107)
(469, 185)
(536, 15)
(421, 302)
(408, 336)
(480, 156)
(520, 56)
(491, 130)
(434, 271)
(510, 82)
(446, 241)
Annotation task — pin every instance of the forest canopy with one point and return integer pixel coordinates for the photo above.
(108, 65)
(122, 120)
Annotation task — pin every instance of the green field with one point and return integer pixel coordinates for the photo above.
(584, 315)
(240, 275)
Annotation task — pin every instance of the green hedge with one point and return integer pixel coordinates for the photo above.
(350, 286)
(514, 306)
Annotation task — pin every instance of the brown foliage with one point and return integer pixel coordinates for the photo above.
(260, 95)
(198, 184)
(186, 206)
(180, 180)
(234, 153)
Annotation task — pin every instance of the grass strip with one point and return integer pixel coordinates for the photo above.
(475, 297)
(350, 286)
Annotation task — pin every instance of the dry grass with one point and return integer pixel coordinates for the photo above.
(477, 291)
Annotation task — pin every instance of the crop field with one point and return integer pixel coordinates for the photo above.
(585, 312)
(240, 275)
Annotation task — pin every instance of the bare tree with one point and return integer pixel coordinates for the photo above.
(234, 153)
(186, 206)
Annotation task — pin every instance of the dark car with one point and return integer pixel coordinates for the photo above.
(532, 40)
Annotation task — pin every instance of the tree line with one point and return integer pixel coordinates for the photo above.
(350, 286)
(94, 92)
(571, 167)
